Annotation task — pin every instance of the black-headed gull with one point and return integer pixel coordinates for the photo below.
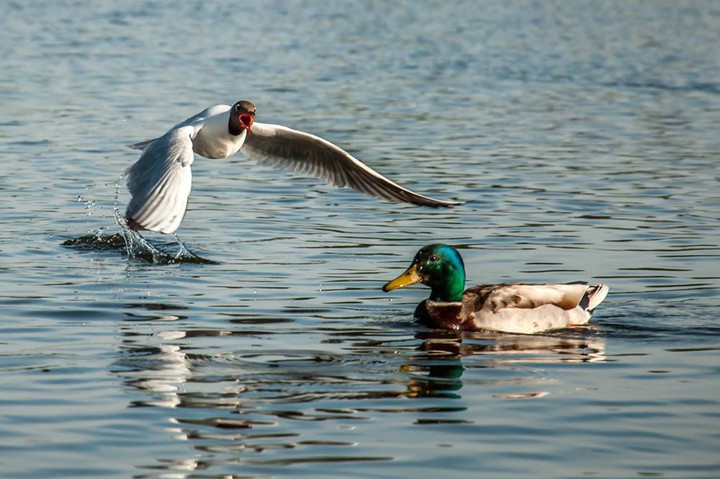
(160, 180)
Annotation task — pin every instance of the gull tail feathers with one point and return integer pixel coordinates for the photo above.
(141, 145)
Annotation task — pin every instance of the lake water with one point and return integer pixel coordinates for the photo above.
(583, 136)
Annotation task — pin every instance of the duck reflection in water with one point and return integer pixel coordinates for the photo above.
(225, 395)
(438, 371)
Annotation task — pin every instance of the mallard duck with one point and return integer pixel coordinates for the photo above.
(160, 180)
(508, 307)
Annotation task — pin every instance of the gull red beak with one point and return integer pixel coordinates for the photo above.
(246, 121)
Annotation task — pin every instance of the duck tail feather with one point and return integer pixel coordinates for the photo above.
(594, 296)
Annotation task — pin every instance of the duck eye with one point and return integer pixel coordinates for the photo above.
(433, 258)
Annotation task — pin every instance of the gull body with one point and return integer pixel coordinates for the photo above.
(160, 181)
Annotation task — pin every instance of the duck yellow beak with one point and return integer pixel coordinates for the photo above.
(408, 278)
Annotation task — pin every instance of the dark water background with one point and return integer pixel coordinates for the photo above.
(583, 136)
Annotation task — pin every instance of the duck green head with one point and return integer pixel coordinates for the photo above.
(438, 266)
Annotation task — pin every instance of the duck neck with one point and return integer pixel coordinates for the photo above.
(450, 290)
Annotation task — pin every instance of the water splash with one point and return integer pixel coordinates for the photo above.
(133, 245)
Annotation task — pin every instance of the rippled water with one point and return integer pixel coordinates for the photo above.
(583, 136)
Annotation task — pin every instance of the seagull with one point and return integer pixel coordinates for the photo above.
(160, 181)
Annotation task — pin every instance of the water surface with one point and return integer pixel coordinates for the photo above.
(582, 135)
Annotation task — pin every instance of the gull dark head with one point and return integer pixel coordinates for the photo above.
(242, 116)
